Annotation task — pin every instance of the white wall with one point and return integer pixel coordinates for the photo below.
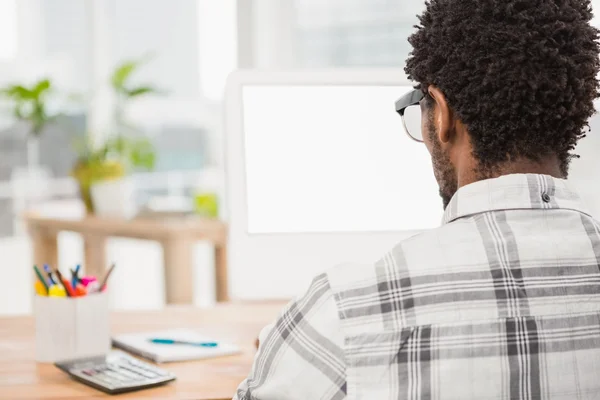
(585, 172)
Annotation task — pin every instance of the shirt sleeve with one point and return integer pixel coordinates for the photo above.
(301, 355)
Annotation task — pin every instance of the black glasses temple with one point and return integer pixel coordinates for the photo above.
(412, 98)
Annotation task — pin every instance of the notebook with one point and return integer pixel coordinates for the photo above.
(139, 344)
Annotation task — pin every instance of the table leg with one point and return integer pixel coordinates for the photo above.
(94, 248)
(221, 276)
(45, 248)
(178, 265)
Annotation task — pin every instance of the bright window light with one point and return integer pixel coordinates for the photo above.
(217, 39)
(8, 29)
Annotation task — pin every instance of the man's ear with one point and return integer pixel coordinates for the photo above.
(442, 117)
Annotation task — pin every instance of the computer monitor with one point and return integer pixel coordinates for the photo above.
(319, 172)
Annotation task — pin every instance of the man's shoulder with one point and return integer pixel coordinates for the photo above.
(427, 252)
(366, 294)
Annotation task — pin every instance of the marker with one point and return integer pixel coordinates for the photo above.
(103, 283)
(39, 288)
(66, 285)
(57, 291)
(173, 341)
(40, 277)
(75, 277)
(49, 273)
(80, 290)
(87, 280)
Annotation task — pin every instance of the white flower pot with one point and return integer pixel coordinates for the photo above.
(114, 198)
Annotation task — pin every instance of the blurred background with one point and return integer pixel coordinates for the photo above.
(102, 88)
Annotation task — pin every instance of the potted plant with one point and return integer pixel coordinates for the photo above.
(102, 170)
(29, 105)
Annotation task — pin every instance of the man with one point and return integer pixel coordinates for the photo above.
(503, 300)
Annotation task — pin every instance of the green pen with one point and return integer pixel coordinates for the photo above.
(40, 277)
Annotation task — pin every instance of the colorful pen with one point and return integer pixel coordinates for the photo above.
(173, 341)
(65, 285)
(40, 277)
(49, 273)
(106, 276)
(87, 280)
(57, 291)
(75, 277)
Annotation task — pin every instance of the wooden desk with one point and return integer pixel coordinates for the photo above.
(177, 237)
(22, 378)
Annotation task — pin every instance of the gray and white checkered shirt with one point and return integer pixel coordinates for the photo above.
(501, 302)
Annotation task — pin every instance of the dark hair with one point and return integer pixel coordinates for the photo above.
(520, 74)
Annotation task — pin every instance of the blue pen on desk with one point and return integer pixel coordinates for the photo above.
(173, 341)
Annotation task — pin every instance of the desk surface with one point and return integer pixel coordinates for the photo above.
(22, 378)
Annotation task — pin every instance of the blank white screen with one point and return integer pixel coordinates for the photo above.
(334, 159)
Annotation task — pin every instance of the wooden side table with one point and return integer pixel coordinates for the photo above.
(176, 235)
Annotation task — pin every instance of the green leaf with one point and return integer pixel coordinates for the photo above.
(122, 74)
(140, 91)
(41, 87)
(18, 93)
(29, 104)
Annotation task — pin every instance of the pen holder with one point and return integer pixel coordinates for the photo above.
(71, 327)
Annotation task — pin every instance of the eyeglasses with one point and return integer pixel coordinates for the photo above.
(410, 111)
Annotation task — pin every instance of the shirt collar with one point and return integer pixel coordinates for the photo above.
(512, 192)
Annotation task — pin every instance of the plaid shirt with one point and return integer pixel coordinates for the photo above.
(501, 302)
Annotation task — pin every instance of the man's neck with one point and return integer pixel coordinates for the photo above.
(548, 166)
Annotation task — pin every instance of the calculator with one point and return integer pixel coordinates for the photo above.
(116, 372)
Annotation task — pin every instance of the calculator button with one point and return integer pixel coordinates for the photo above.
(149, 374)
(129, 375)
(115, 369)
(103, 379)
(131, 369)
(161, 372)
(103, 376)
(142, 372)
(114, 376)
(132, 361)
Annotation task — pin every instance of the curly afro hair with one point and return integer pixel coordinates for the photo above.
(520, 74)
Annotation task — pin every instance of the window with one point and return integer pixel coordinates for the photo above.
(8, 29)
(358, 33)
(217, 45)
